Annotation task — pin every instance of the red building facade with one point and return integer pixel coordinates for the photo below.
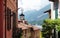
(8, 17)
(1, 19)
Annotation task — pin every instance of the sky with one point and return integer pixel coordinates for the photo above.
(32, 4)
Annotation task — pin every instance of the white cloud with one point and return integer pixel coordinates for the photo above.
(32, 4)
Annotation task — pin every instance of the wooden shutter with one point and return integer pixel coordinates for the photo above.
(8, 19)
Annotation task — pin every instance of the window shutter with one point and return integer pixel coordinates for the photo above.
(8, 19)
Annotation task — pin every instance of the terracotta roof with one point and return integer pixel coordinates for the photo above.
(35, 28)
(22, 26)
(29, 26)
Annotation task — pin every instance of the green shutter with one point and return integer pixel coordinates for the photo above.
(56, 13)
(56, 10)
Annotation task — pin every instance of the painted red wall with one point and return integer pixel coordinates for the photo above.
(1, 18)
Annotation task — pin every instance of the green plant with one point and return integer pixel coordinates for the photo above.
(50, 24)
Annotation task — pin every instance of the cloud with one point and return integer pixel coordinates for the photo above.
(32, 4)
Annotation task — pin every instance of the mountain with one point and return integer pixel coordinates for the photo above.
(32, 16)
(39, 21)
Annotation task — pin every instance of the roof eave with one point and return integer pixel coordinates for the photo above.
(47, 11)
(52, 0)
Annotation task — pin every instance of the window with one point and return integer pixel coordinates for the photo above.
(8, 18)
